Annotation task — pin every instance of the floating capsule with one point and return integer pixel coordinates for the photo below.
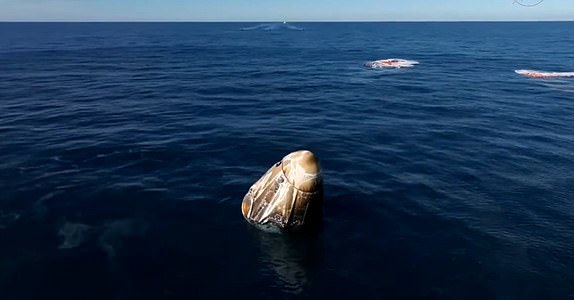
(288, 196)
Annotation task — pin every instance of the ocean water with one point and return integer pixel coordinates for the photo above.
(126, 150)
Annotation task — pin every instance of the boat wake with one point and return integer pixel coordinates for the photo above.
(284, 26)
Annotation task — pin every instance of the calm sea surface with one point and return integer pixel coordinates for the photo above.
(126, 150)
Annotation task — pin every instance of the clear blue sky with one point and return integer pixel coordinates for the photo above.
(276, 10)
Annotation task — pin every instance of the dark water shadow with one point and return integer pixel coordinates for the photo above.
(291, 258)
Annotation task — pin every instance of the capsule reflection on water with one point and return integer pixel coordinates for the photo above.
(288, 196)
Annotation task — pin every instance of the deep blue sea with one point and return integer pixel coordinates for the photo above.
(126, 150)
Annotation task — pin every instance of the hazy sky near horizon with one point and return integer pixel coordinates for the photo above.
(277, 10)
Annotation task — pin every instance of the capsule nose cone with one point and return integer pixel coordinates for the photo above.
(302, 169)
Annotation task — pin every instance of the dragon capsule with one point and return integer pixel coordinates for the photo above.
(288, 196)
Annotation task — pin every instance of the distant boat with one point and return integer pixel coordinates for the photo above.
(276, 26)
(391, 63)
(542, 74)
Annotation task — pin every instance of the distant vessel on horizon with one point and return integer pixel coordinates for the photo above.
(274, 26)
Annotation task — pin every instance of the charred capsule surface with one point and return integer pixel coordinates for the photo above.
(289, 195)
